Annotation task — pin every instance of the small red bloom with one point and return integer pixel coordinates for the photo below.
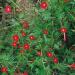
(15, 37)
(8, 9)
(49, 54)
(14, 44)
(31, 37)
(45, 31)
(26, 25)
(23, 34)
(55, 60)
(26, 46)
(25, 73)
(44, 5)
(63, 30)
(72, 65)
(39, 53)
(4, 69)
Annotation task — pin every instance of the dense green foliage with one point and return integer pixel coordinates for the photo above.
(57, 15)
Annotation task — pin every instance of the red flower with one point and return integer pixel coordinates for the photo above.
(63, 30)
(25, 73)
(26, 46)
(39, 53)
(44, 5)
(8, 9)
(16, 37)
(72, 65)
(32, 37)
(26, 25)
(49, 54)
(45, 31)
(23, 34)
(14, 44)
(55, 60)
(4, 69)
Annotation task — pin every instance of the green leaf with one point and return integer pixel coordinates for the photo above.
(62, 67)
(42, 72)
(21, 15)
(72, 73)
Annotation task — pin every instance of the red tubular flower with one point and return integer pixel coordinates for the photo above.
(8, 9)
(63, 30)
(49, 54)
(26, 46)
(25, 73)
(55, 60)
(4, 69)
(15, 37)
(39, 53)
(31, 37)
(44, 5)
(23, 34)
(26, 25)
(72, 66)
(14, 44)
(45, 31)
